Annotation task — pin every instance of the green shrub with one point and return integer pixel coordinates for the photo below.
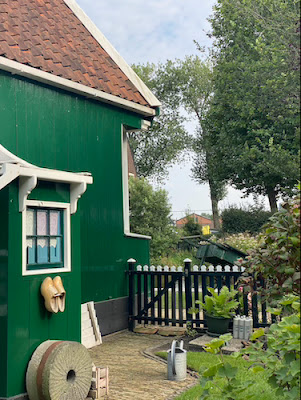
(279, 363)
(277, 259)
(221, 304)
(150, 215)
(244, 242)
(237, 220)
(176, 258)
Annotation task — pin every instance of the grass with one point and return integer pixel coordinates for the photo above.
(200, 361)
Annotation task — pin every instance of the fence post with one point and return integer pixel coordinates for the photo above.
(131, 308)
(188, 295)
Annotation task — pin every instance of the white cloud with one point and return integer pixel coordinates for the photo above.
(153, 31)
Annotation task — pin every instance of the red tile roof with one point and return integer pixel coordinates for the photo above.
(47, 35)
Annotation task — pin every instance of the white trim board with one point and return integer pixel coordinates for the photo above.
(116, 57)
(74, 87)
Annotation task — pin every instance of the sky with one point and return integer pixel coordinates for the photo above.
(155, 31)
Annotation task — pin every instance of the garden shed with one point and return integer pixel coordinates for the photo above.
(67, 101)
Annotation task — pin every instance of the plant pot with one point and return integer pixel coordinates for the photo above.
(217, 325)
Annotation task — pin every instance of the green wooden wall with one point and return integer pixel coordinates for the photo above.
(4, 195)
(55, 129)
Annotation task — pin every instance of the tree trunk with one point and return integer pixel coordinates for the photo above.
(272, 199)
(214, 205)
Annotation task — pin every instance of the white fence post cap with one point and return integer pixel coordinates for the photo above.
(187, 260)
(131, 260)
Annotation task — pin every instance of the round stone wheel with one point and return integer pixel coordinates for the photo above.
(59, 370)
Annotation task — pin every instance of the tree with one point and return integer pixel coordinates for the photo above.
(150, 215)
(166, 140)
(180, 84)
(193, 89)
(254, 113)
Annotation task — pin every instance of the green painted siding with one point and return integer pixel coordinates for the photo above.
(54, 129)
(28, 322)
(3, 288)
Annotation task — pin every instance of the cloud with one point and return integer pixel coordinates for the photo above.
(152, 31)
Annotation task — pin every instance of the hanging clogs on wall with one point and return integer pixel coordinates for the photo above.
(54, 294)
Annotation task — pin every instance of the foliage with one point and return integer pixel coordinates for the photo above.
(280, 362)
(234, 387)
(150, 215)
(180, 84)
(190, 332)
(166, 140)
(201, 361)
(176, 258)
(237, 220)
(191, 228)
(254, 114)
(220, 305)
(194, 88)
(244, 242)
(277, 259)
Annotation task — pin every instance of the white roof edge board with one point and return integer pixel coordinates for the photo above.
(7, 157)
(113, 53)
(16, 166)
(17, 68)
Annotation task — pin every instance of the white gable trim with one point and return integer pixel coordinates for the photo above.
(62, 83)
(12, 167)
(116, 57)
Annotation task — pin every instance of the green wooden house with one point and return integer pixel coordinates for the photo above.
(67, 101)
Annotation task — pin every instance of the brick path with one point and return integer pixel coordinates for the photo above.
(133, 376)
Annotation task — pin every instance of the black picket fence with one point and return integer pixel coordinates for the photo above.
(166, 295)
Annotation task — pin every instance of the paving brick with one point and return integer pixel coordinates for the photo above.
(133, 376)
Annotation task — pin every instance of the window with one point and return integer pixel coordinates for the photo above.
(46, 237)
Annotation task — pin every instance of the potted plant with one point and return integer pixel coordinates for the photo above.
(219, 310)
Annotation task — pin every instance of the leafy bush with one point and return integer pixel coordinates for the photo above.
(237, 220)
(244, 242)
(150, 215)
(220, 305)
(191, 228)
(176, 258)
(280, 363)
(277, 259)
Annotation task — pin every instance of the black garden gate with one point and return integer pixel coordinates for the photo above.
(164, 295)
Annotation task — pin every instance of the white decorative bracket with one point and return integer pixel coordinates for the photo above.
(8, 173)
(26, 185)
(76, 191)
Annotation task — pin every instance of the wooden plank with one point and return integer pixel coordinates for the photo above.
(139, 294)
(90, 334)
(173, 303)
(160, 298)
(152, 290)
(166, 301)
(180, 296)
(196, 295)
(145, 289)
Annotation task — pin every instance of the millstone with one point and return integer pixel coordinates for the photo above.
(59, 370)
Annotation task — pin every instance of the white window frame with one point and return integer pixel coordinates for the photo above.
(67, 237)
(125, 189)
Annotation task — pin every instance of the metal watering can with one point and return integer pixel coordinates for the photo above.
(176, 362)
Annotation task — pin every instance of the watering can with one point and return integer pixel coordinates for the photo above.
(176, 362)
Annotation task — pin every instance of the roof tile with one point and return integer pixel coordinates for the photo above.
(48, 36)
